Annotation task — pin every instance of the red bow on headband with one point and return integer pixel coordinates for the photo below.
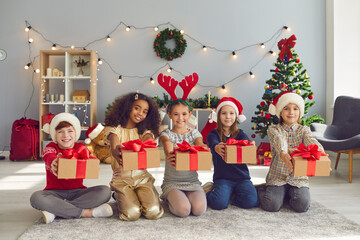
(284, 45)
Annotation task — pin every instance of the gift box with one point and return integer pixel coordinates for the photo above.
(192, 158)
(240, 151)
(78, 168)
(140, 155)
(263, 147)
(46, 119)
(308, 161)
(267, 161)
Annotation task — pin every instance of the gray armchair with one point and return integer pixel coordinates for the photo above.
(343, 135)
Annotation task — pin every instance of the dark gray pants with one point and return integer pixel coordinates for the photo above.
(272, 198)
(70, 203)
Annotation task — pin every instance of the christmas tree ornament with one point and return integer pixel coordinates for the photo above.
(284, 87)
(254, 127)
(267, 116)
(293, 73)
(311, 97)
(266, 87)
(253, 135)
(306, 76)
(284, 45)
(262, 103)
(297, 60)
(271, 88)
(276, 70)
(298, 91)
(308, 83)
(286, 59)
(272, 79)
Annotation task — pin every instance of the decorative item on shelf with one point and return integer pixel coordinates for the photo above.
(62, 98)
(56, 73)
(81, 96)
(49, 72)
(80, 64)
(47, 97)
(61, 73)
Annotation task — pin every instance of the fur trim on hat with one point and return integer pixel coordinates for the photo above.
(67, 117)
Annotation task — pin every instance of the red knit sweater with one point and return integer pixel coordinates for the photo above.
(52, 182)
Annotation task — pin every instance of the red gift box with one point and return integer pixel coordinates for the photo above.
(140, 155)
(47, 118)
(240, 151)
(78, 165)
(308, 161)
(192, 158)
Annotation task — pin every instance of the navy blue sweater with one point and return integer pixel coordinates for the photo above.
(222, 170)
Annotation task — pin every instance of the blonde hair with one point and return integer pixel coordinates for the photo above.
(220, 128)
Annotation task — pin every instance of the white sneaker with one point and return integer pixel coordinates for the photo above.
(48, 217)
(104, 210)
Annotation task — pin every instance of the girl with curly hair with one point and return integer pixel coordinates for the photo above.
(133, 116)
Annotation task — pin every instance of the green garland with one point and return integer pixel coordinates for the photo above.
(195, 103)
(166, 53)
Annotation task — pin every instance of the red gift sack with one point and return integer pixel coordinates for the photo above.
(24, 140)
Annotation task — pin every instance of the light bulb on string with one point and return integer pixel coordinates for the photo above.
(152, 81)
(272, 53)
(100, 61)
(127, 28)
(37, 70)
(53, 47)
(169, 69)
(156, 29)
(182, 31)
(287, 28)
(204, 48)
(120, 79)
(108, 38)
(223, 88)
(252, 75)
(72, 47)
(27, 28)
(31, 40)
(27, 66)
(262, 45)
(234, 54)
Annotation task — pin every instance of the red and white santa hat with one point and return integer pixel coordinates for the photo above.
(284, 99)
(93, 132)
(63, 117)
(228, 101)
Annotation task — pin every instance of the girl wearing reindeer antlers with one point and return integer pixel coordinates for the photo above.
(181, 189)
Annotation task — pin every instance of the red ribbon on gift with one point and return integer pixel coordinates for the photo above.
(311, 154)
(284, 45)
(193, 150)
(139, 146)
(239, 144)
(81, 155)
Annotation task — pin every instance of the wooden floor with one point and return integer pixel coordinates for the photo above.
(19, 179)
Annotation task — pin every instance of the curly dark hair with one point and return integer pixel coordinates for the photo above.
(121, 108)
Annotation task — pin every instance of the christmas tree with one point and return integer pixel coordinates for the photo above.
(289, 75)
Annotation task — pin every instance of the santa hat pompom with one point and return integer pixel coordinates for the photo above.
(46, 128)
(241, 118)
(93, 132)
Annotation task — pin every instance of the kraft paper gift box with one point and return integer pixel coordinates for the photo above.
(140, 155)
(308, 161)
(78, 168)
(192, 158)
(236, 153)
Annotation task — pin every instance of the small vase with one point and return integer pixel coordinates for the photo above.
(81, 72)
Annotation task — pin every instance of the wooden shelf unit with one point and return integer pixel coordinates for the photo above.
(64, 61)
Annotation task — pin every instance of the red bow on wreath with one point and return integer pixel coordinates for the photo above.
(284, 46)
(310, 152)
(185, 146)
(138, 145)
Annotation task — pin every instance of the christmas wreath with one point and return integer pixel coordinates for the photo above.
(166, 53)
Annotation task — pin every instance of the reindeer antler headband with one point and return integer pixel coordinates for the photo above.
(169, 84)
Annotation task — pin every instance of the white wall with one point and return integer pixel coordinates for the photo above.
(343, 50)
(227, 24)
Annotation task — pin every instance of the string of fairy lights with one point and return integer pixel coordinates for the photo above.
(169, 68)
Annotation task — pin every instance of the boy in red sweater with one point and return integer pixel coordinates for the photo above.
(68, 198)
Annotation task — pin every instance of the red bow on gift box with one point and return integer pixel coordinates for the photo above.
(81, 155)
(185, 146)
(311, 153)
(284, 45)
(232, 141)
(138, 145)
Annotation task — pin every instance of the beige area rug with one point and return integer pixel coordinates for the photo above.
(232, 223)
